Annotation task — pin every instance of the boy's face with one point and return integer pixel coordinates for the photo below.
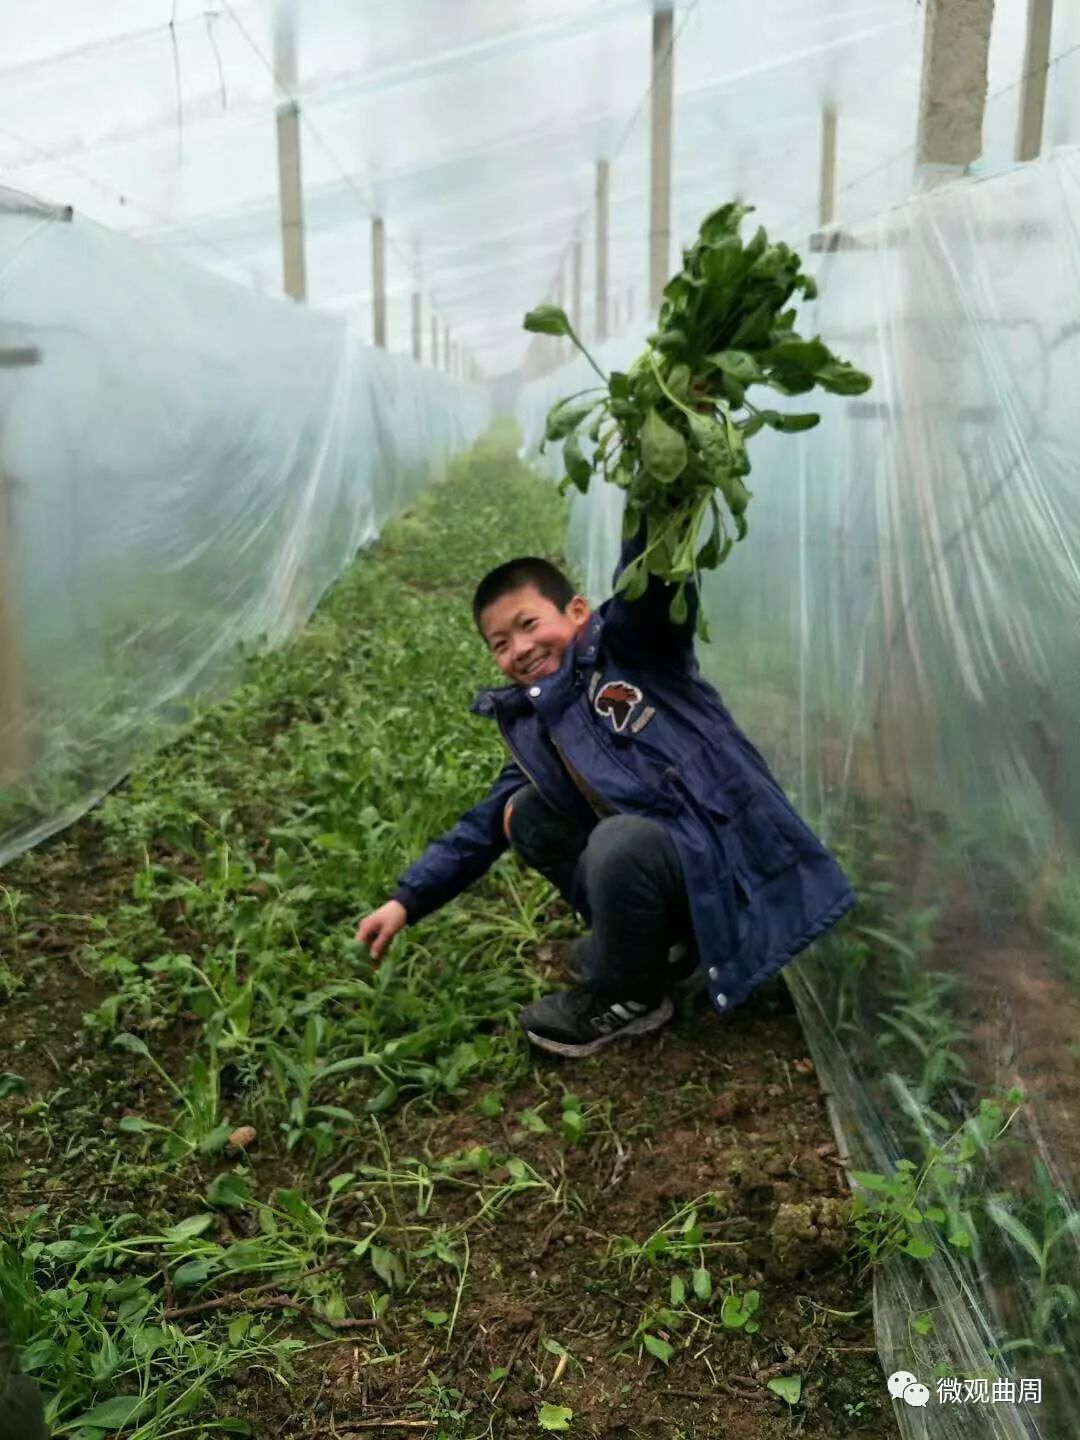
(528, 634)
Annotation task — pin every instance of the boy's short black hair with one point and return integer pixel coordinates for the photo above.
(515, 575)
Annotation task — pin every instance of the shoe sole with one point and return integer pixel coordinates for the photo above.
(652, 1021)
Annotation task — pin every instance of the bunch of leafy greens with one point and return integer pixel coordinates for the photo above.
(672, 431)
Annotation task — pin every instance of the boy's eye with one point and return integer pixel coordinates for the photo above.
(528, 624)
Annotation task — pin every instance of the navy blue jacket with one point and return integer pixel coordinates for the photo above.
(629, 711)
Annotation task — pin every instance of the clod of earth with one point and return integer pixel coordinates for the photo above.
(810, 1235)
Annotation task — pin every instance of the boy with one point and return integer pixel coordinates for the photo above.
(633, 791)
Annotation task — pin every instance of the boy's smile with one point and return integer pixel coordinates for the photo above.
(528, 634)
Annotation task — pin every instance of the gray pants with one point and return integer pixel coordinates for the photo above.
(624, 878)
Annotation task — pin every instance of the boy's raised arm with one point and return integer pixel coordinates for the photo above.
(644, 626)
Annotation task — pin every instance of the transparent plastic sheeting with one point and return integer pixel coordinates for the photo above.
(187, 468)
(898, 633)
(472, 127)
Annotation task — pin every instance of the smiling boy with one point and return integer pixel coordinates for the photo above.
(630, 787)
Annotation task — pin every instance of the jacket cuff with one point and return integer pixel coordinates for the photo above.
(408, 900)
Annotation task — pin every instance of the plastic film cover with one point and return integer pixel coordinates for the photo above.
(898, 635)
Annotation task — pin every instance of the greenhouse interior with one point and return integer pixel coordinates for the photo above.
(312, 316)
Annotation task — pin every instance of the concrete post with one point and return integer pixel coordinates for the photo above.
(14, 750)
(14, 710)
(956, 51)
(290, 180)
(1029, 128)
(575, 297)
(603, 186)
(378, 280)
(663, 59)
(827, 193)
(416, 326)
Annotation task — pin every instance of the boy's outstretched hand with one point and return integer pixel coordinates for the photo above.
(379, 928)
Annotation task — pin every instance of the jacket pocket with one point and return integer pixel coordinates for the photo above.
(766, 851)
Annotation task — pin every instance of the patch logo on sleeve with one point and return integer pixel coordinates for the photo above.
(617, 701)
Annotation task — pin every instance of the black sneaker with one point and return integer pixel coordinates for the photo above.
(682, 963)
(577, 1022)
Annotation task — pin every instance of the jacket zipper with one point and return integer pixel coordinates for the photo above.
(578, 781)
(521, 764)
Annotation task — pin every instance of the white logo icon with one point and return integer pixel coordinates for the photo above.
(904, 1386)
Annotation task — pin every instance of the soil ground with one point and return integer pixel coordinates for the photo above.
(560, 1286)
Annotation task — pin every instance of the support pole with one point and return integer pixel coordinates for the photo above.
(663, 59)
(14, 710)
(575, 288)
(434, 343)
(561, 346)
(14, 756)
(378, 280)
(416, 326)
(446, 348)
(603, 184)
(827, 195)
(952, 100)
(290, 180)
(1029, 129)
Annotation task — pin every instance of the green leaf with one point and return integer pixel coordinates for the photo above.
(132, 1044)
(1016, 1229)
(186, 1277)
(555, 1417)
(573, 1125)
(436, 1317)
(788, 424)
(351, 1062)
(214, 1140)
(869, 1180)
(840, 378)
(660, 1348)
(923, 1324)
(534, 1122)
(490, 1103)
(547, 320)
(11, 1084)
(917, 1248)
(678, 1290)
(578, 469)
(229, 1191)
(566, 417)
(738, 364)
(189, 1228)
(663, 450)
(387, 1266)
(702, 1284)
(114, 1414)
(788, 1387)
(136, 1125)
